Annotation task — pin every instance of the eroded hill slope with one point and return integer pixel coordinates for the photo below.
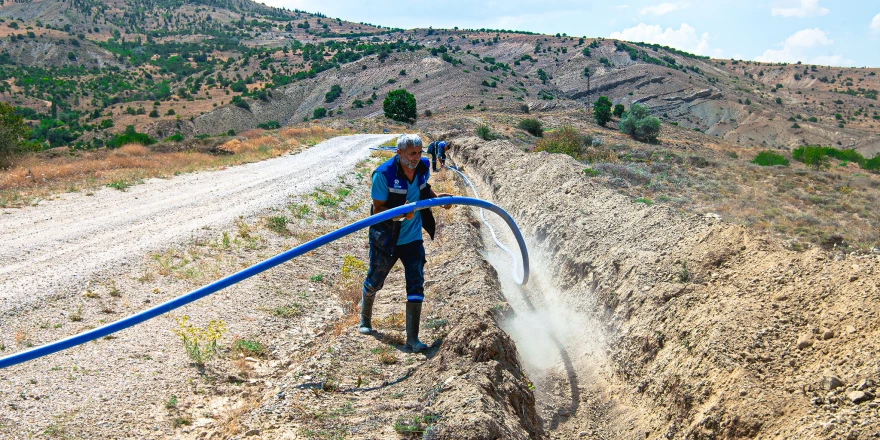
(714, 331)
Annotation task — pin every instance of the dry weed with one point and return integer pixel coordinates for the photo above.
(231, 422)
(394, 321)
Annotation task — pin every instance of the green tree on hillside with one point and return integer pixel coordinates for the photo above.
(602, 110)
(13, 133)
(400, 105)
(618, 110)
(639, 124)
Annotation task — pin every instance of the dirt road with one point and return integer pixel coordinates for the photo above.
(59, 245)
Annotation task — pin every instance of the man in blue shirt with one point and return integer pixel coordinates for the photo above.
(400, 180)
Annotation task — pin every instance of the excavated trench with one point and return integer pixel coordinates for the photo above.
(642, 322)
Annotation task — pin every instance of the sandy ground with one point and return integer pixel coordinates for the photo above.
(60, 245)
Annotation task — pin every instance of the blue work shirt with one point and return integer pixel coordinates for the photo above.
(410, 230)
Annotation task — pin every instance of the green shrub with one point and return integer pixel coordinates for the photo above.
(241, 103)
(278, 224)
(532, 126)
(812, 119)
(130, 137)
(485, 132)
(872, 164)
(564, 141)
(639, 124)
(400, 105)
(357, 103)
(176, 137)
(248, 347)
(269, 125)
(847, 155)
(769, 158)
(319, 113)
(811, 155)
(335, 92)
(618, 110)
(13, 133)
(602, 110)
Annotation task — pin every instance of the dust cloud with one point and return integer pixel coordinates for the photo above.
(550, 331)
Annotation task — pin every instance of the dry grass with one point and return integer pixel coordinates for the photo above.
(34, 177)
(798, 204)
(394, 321)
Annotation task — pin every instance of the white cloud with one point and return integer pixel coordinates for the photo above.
(807, 8)
(831, 60)
(661, 9)
(685, 38)
(875, 23)
(798, 46)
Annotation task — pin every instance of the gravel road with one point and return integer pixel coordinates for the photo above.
(59, 245)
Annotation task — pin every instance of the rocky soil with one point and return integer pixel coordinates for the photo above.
(290, 363)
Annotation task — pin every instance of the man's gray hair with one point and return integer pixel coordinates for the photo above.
(406, 141)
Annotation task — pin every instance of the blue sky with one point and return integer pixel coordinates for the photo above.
(840, 33)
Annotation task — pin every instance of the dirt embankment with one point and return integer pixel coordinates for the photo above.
(712, 331)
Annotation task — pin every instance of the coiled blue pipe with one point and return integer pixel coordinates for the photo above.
(261, 267)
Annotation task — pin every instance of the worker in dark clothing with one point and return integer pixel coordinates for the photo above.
(432, 150)
(400, 180)
(441, 153)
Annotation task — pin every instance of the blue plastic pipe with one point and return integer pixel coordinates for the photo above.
(183, 300)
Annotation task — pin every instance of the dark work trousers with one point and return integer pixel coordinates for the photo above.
(434, 161)
(411, 255)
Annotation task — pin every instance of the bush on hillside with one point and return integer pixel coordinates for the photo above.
(485, 132)
(319, 113)
(873, 164)
(532, 126)
(241, 103)
(618, 110)
(335, 92)
(269, 125)
(769, 158)
(566, 140)
(176, 137)
(639, 124)
(130, 136)
(400, 105)
(602, 110)
(811, 155)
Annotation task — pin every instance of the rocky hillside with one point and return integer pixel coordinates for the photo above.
(194, 67)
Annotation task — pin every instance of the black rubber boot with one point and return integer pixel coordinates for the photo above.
(413, 316)
(366, 325)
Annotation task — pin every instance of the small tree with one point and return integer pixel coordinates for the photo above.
(13, 133)
(639, 124)
(400, 105)
(319, 113)
(602, 110)
(618, 110)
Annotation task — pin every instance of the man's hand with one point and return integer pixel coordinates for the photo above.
(407, 216)
(445, 195)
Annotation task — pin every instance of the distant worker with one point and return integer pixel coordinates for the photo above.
(441, 153)
(432, 150)
(400, 180)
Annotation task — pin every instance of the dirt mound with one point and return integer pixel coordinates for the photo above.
(714, 332)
